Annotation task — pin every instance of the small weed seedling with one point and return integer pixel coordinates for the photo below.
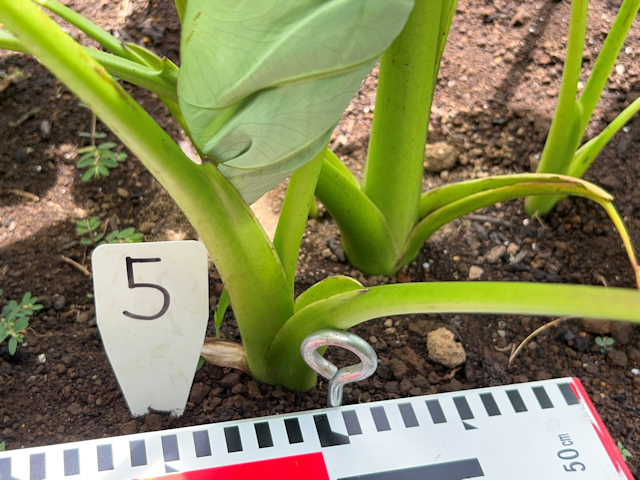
(91, 237)
(626, 454)
(97, 159)
(15, 319)
(605, 344)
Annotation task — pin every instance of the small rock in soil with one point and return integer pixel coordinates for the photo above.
(634, 355)
(154, 422)
(422, 327)
(420, 381)
(598, 327)
(621, 331)
(199, 392)
(495, 254)
(122, 193)
(336, 248)
(391, 387)
(581, 344)
(129, 428)
(74, 409)
(475, 272)
(230, 379)
(618, 358)
(146, 227)
(384, 372)
(440, 156)
(398, 368)
(444, 349)
(59, 302)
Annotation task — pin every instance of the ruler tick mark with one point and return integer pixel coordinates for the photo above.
(435, 410)
(408, 415)
(263, 433)
(201, 443)
(294, 434)
(380, 419)
(71, 462)
(516, 401)
(138, 452)
(170, 448)
(490, 404)
(5, 469)
(351, 421)
(105, 457)
(37, 469)
(232, 437)
(327, 437)
(463, 408)
(543, 397)
(568, 394)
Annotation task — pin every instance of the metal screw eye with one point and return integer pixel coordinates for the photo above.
(338, 377)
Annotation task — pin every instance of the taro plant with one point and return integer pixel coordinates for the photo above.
(14, 319)
(260, 88)
(562, 152)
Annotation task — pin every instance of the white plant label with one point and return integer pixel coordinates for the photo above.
(152, 308)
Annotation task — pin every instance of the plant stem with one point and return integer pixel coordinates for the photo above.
(104, 38)
(606, 58)
(345, 310)
(244, 257)
(590, 150)
(393, 174)
(565, 132)
(366, 237)
(294, 214)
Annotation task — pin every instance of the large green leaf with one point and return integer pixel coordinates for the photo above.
(263, 82)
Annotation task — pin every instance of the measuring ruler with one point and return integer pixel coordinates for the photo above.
(541, 430)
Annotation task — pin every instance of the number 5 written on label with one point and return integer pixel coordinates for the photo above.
(132, 284)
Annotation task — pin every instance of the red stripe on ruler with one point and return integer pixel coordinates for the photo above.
(308, 467)
(602, 432)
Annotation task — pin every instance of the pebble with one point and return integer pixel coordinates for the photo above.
(496, 253)
(475, 272)
(444, 349)
(122, 193)
(621, 331)
(198, 393)
(129, 428)
(146, 227)
(398, 368)
(618, 358)
(154, 422)
(230, 379)
(440, 156)
(74, 409)
(388, 323)
(390, 330)
(598, 327)
(58, 302)
(45, 128)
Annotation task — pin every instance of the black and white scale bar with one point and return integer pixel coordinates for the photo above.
(519, 431)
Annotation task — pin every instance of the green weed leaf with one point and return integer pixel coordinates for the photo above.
(262, 84)
(13, 345)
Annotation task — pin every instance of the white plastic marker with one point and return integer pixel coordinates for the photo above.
(534, 431)
(152, 307)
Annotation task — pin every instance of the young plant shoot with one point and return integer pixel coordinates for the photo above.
(562, 152)
(260, 89)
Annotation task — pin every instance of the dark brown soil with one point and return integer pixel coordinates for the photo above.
(494, 102)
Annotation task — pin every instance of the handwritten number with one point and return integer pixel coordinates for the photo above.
(132, 284)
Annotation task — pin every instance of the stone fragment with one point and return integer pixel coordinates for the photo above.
(496, 253)
(618, 358)
(621, 331)
(146, 227)
(444, 349)
(475, 272)
(230, 379)
(122, 193)
(74, 409)
(154, 422)
(398, 368)
(198, 393)
(129, 428)
(596, 326)
(59, 302)
(440, 156)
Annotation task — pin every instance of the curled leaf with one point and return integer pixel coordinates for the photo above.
(262, 84)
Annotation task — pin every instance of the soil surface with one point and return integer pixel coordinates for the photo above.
(495, 98)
